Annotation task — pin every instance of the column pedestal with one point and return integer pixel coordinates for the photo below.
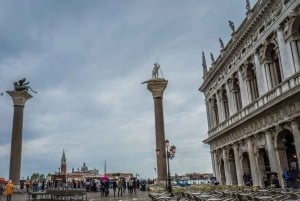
(19, 98)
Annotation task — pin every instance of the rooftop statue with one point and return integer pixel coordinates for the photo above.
(212, 57)
(221, 43)
(248, 7)
(231, 24)
(22, 85)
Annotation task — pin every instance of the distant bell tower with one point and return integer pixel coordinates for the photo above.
(63, 165)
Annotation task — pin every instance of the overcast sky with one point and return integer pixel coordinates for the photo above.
(87, 60)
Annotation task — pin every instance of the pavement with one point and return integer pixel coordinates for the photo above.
(95, 196)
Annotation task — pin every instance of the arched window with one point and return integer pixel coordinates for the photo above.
(293, 35)
(249, 75)
(224, 100)
(272, 65)
(214, 110)
(234, 87)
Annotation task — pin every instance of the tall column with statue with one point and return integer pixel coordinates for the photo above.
(19, 96)
(157, 86)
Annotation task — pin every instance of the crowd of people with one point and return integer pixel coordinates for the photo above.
(271, 179)
(290, 177)
(118, 186)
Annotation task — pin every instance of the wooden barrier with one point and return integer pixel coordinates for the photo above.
(58, 194)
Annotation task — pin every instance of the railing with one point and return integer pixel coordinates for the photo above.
(285, 88)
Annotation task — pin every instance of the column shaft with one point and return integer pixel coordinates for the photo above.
(295, 55)
(271, 151)
(296, 134)
(253, 165)
(160, 139)
(285, 58)
(217, 167)
(238, 165)
(226, 168)
(16, 145)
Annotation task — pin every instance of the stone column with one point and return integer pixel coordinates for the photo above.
(285, 58)
(268, 75)
(260, 75)
(295, 55)
(19, 98)
(243, 89)
(238, 165)
(253, 165)
(271, 151)
(296, 134)
(226, 167)
(217, 167)
(208, 113)
(213, 162)
(230, 100)
(221, 113)
(157, 87)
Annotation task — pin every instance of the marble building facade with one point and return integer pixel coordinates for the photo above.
(252, 95)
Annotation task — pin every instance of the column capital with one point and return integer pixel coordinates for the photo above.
(19, 97)
(156, 86)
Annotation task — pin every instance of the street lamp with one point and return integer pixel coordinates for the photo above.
(170, 154)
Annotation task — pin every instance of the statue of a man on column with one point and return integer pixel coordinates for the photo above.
(155, 71)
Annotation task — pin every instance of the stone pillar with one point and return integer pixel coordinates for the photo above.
(217, 167)
(268, 75)
(157, 87)
(213, 162)
(230, 100)
(296, 134)
(238, 165)
(226, 167)
(271, 151)
(253, 165)
(221, 113)
(295, 55)
(243, 90)
(19, 98)
(260, 75)
(231, 87)
(208, 113)
(286, 59)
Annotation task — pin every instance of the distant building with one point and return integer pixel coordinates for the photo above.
(81, 174)
(252, 93)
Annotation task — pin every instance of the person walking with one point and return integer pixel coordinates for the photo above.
(9, 190)
(114, 185)
(120, 186)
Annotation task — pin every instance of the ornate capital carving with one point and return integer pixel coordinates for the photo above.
(157, 86)
(19, 97)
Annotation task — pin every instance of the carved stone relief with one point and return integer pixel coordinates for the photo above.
(258, 125)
